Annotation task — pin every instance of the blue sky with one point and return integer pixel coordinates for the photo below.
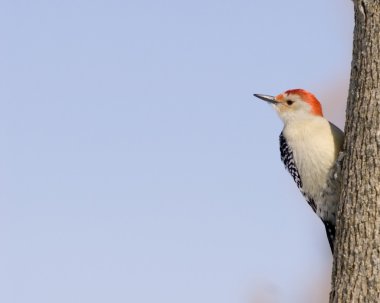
(136, 166)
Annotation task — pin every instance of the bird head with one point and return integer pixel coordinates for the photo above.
(294, 104)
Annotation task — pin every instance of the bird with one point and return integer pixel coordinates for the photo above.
(309, 148)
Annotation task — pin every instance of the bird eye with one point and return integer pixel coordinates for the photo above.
(289, 102)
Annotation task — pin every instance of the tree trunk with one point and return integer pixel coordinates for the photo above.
(356, 269)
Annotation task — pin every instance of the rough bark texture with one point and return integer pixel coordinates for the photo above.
(356, 270)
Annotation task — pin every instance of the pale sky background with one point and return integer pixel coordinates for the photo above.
(136, 166)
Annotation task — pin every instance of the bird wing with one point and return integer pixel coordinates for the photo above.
(330, 231)
(288, 160)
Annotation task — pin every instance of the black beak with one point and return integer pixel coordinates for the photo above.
(266, 98)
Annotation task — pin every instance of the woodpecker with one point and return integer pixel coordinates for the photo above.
(309, 147)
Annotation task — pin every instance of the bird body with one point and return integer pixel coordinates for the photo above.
(309, 146)
(315, 151)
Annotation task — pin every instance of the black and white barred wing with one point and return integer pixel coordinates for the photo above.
(288, 160)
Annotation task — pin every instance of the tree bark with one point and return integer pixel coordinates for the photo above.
(356, 269)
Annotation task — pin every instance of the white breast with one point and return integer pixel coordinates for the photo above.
(315, 144)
